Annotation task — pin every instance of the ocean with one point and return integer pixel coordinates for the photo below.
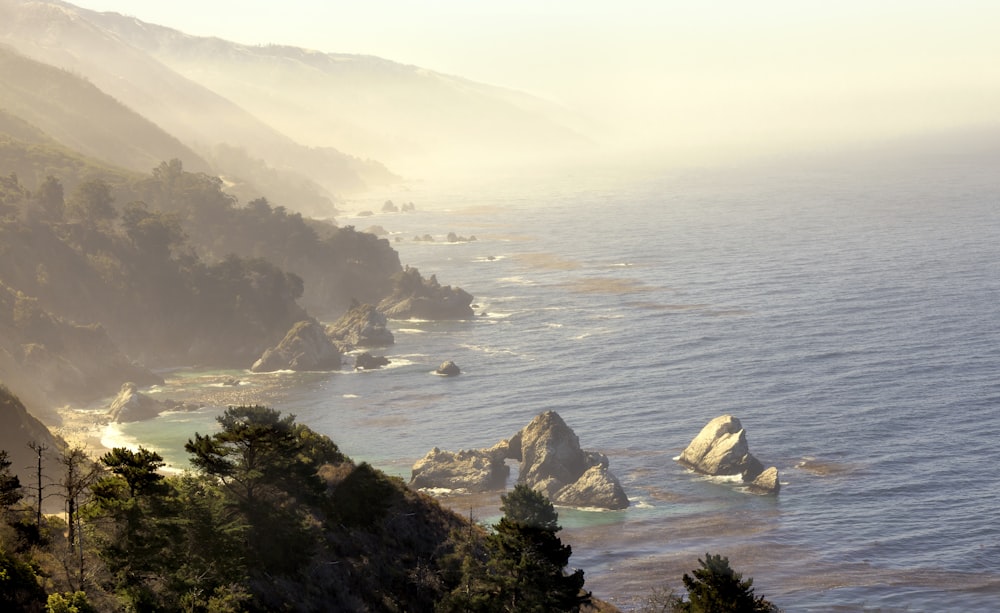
(850, 320)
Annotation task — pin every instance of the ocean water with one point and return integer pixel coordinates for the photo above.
(850, 321)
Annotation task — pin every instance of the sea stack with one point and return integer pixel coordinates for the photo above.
(721, 449)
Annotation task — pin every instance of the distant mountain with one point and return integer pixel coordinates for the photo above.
(371, 106)
(71, 38)
(208, 91)
(40, 100)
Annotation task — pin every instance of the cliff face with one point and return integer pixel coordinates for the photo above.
(52, 361)
(18, 428)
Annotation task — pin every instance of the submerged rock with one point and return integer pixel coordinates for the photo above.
(721, 449)
(367, 361)
(448, 369)
(551, 462)
(305, 347)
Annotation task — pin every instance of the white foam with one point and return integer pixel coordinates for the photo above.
(517, 280)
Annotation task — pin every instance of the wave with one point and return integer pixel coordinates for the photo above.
(517, 280)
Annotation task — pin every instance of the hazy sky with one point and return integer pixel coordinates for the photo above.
(723, 73)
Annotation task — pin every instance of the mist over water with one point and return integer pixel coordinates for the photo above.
(849, 321)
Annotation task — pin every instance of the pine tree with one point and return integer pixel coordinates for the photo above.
(717, 588)
(10, 485)
(525, 571)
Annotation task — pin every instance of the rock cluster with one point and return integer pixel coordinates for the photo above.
(361, 326)
(474, 470)
(305, 347)
(133, 405)
(414, 297)
(551, 462)
(721, 449)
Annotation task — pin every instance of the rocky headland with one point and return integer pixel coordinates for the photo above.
(415, 297)
(721, 449)
(551, 461)
(305, 347)
(132, 405)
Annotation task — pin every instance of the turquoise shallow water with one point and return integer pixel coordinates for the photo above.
(850, 323)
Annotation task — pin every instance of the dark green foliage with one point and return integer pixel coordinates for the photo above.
(10, 485)
(717, 588)
(50, 199)
(525, 567)
(260, 456)
(363, 497)
(136, 468)
(152, 233)
(267, 465)
(93, 203)
(135, 546)
(19, 586)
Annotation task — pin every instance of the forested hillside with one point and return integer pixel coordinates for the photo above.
(82, 117)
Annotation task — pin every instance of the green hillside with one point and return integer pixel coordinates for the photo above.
(78, 115)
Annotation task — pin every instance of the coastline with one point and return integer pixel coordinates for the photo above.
(84, 428)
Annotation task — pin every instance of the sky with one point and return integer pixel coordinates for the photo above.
(733, 74)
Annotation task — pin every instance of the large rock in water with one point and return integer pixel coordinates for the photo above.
(305, 347)
(721, 449)
(474, 470)
(361, 326)
(413, 297)
(133, 405)
(551, 462)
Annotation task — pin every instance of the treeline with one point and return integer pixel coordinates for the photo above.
(171, 268)
(274, 517)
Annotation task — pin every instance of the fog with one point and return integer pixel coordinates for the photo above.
(690, 84)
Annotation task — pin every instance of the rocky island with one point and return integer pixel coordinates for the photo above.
(721, 449)
(551, 461)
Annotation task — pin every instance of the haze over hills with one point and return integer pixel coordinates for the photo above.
(370, 106)
(284, 109)
(79, 115)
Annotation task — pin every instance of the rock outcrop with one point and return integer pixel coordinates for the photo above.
(414, 297)
(133, 405)
(551, 462)
(361, 326)
(367, 361)
(305, 347)
(448, 369)
(721, 449)
(473, 470)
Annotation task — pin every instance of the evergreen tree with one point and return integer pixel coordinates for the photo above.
(717, 588)
(525, 568)
(136, 545)
(50, 199)
(10, 485)
(268, 465)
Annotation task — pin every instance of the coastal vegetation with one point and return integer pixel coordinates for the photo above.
(273, 516)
